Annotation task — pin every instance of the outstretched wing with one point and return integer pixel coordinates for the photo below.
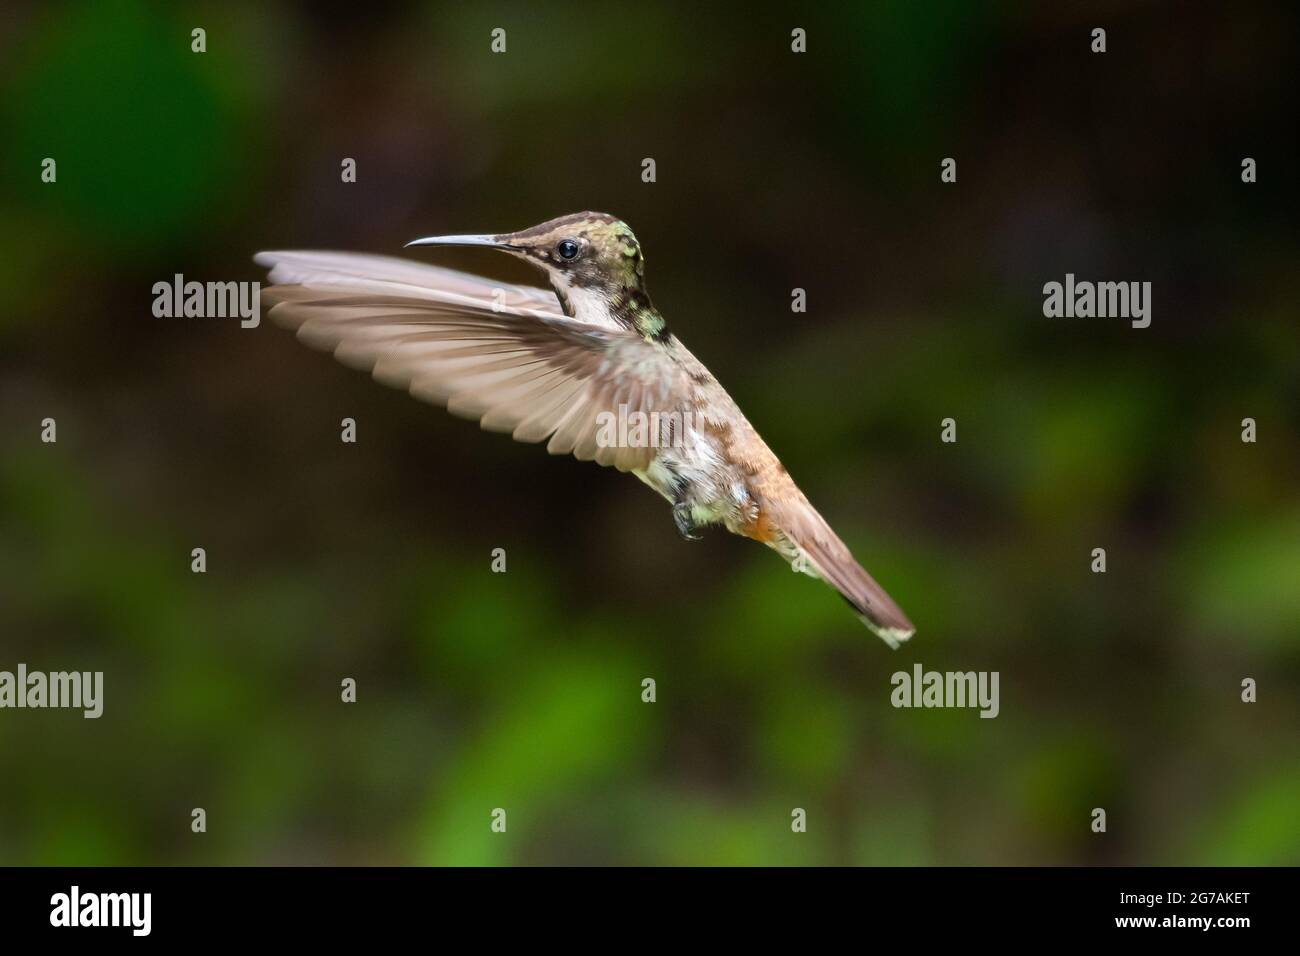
(502, 354)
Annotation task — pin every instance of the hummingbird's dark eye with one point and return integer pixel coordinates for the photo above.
(567, 249)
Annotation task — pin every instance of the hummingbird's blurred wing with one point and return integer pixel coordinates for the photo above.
(502, 354)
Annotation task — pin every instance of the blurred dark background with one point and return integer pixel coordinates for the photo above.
(522, 690)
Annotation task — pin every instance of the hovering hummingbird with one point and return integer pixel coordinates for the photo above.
(557, 365)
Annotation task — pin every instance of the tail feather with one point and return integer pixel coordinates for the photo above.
(829, 558)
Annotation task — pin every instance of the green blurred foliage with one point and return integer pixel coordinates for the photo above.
(523, 690)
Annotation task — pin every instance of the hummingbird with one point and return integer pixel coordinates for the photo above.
(562, 365)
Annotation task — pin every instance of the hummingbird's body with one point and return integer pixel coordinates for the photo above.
(561, 366)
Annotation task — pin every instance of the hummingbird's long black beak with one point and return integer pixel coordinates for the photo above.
(492, 242)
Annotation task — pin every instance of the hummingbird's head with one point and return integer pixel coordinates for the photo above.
(592, 260)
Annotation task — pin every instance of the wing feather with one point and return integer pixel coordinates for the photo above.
(502, 354)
